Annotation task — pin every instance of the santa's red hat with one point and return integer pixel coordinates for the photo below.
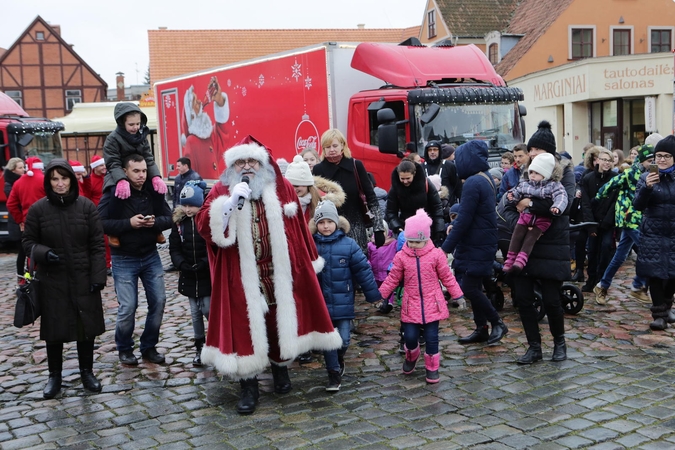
(96, 161)
(33, 163)
(77, 166)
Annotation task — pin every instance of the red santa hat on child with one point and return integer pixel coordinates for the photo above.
(33, 163)
(96, 161)
(77, 166)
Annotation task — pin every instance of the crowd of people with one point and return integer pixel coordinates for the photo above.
(271, 257)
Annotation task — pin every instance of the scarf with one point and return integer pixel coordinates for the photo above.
(133, 139)
(334, 159)
(668, 170)
(305, 200)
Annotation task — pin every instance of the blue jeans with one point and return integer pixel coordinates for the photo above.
(199, 308)
(411, 334)
(629, 237)
(126, 272)
(343, 327)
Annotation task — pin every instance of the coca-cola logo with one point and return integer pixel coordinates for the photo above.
(308, 143)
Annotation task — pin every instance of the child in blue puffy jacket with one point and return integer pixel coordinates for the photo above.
(344, 261)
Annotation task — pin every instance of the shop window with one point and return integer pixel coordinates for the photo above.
(661, 41)
(621, 42)
(431, 23)
(581, 43)
(73, 96)
(493, 53)
(17, 96)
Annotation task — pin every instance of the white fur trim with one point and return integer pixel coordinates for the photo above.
(222, 113)
(290, 209)
(78, 169)
(38, 165)
(221, 237)
(30, 173)
(245, 151)
(98, 162)
(318, 264)
(183, 139)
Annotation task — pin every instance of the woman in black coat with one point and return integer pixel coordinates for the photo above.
(13, 171)
(64, 234)
(655, 197)
(339, 166)
(410, 191)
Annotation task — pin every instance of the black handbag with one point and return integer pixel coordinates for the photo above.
(27, 308)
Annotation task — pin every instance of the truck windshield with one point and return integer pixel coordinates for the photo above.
(45, 144)
(497, 124)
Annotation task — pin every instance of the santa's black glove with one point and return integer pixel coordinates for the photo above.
(52, 257)
(379, 239)
(96, 287)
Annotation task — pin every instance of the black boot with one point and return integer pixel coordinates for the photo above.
(559, 349)
(249, 396)
(480, 334)
(499, 330)
(660, 315)
(85, 356)
(282, 382)
(199, 345)
(578, 275)
(532, 355)
(55, 363)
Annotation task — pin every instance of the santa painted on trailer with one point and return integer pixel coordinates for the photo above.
(266, 302)
(202, 141)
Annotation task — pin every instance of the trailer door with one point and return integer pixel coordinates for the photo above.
(170, 122)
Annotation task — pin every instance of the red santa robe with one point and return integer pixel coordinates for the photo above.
(236, 341)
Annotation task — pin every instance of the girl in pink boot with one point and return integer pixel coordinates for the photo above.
(542, 181)
(420, 265)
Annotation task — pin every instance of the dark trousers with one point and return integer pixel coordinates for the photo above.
(483, 311)
(523, 291)
(600, 252)
(661, 291)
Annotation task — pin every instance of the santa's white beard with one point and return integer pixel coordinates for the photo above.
(263, 178)
(201, 125)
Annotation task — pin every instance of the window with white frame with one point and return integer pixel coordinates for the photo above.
(660, 39)
(73, 96)
(17, 96)
(621, 41)
(39, 35)
(431, 23)
(581, 41)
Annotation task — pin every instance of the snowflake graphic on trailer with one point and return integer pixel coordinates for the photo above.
(261, 80)
(308, 83)
(229, 83)
(167, 101)
(297, 73)
(243, 91)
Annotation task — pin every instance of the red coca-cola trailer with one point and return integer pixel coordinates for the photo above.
(381, 96)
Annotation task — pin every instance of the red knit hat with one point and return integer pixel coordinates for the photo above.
(96, 161)
(33, 163)
(77, 166)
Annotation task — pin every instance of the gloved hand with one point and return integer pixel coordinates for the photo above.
(52, 257)
(158, 185)
(201, 265)
(240, 190)
(379, 239)
(96, 287)
(122, 190)
(461, 302)
(438, 237)
(186, 267)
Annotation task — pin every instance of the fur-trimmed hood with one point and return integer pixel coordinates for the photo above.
(332, 190)
(590, 155)
(342, 225)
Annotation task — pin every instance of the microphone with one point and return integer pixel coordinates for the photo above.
(240, 203)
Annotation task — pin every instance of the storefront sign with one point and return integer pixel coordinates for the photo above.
(575, 84)
(635, 77)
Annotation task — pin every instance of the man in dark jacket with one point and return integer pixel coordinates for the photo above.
(473, 239)
(512, 176)
(434, 164)
(137, 221)
(600, 238)
(185, 174)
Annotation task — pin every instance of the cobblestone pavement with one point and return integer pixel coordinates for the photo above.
(615, 391)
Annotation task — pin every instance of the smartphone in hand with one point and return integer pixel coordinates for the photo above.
(653, 168)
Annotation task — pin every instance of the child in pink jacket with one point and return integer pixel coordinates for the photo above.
(420, 265)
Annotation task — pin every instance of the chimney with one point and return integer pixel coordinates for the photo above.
(361, 26)
(57, 29)
(119, 82)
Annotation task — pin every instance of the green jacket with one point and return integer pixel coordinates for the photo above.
(625, 216)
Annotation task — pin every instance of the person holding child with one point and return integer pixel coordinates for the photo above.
(542, 183)
(344, 261)
(188, 254)
(420, 265)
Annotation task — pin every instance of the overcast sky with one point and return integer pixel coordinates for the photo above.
(113, 38)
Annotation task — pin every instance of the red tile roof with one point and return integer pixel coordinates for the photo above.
(475, 18)
(177, 52)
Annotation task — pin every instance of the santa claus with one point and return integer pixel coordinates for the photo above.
(202, 141)
(266, 302)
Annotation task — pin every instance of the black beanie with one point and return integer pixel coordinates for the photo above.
(542, 138)
(666, 145)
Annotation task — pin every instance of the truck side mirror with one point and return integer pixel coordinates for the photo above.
(25, 139)
(430, 114)
(387, 137)
(522, 111)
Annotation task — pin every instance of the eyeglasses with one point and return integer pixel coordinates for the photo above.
(667, 156)
(605, 160)
(243, 162)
